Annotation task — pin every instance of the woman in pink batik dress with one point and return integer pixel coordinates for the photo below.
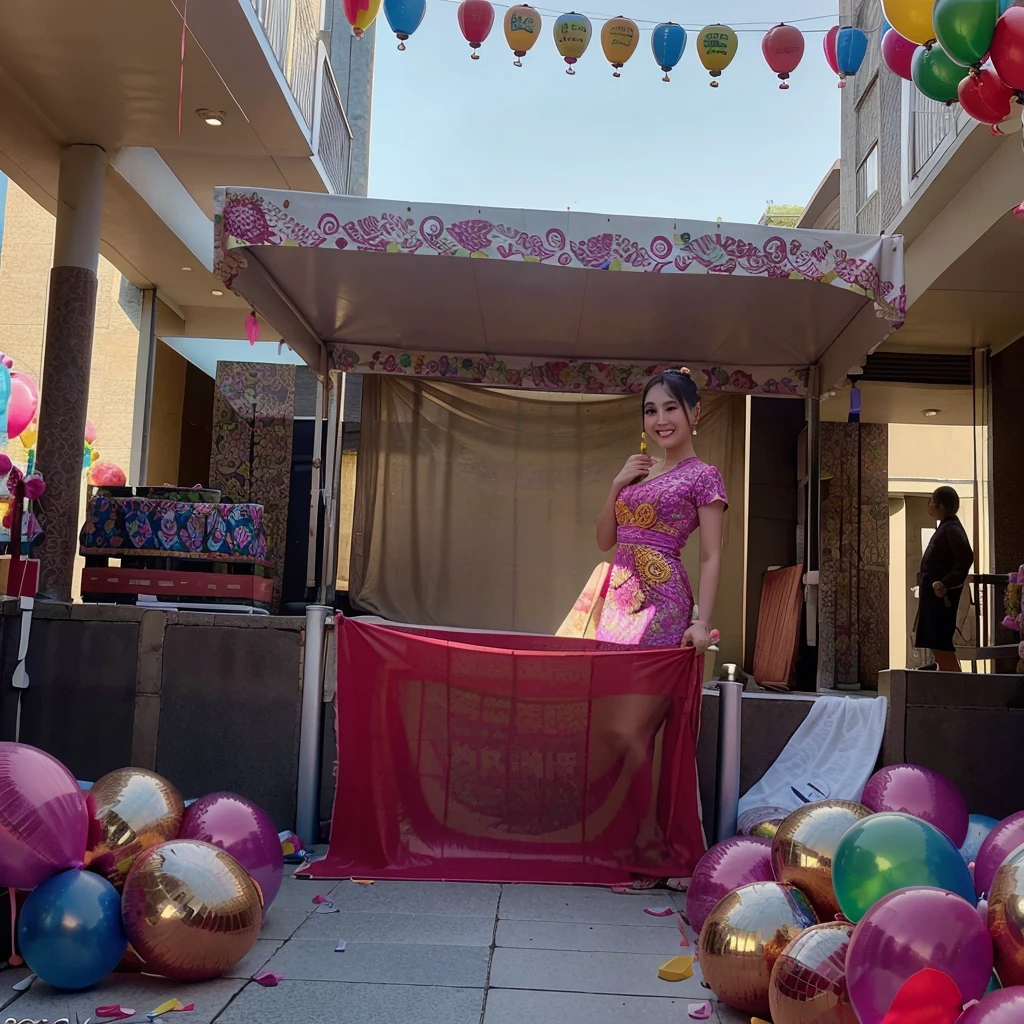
(651, 511)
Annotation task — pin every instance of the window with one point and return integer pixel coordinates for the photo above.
(867, 176)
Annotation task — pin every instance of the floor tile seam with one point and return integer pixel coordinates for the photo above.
(588, 992)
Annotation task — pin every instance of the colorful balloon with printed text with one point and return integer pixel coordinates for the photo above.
(522, 27)
(716, 47)
(783, 49)
(619, 39)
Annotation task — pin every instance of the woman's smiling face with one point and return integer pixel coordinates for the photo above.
(665, 419)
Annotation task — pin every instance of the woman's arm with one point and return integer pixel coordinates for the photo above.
(712, 519)
(636, 468)
(607, 527)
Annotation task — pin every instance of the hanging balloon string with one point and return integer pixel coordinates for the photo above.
(758, 27)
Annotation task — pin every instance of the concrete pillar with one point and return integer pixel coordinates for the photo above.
(67, 360)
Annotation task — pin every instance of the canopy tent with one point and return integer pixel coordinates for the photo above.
(557, 301)
(553, 302)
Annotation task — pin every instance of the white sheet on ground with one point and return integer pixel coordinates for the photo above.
(831, 755)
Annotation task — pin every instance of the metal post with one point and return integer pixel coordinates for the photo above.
(727, 788)
(332, 474)
(316, 482)
(144, 368)
(307, 817)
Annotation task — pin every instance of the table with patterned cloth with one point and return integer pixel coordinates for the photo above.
(161, 527)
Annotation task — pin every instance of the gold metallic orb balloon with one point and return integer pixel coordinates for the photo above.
(743, 937)
(1006, 919)
(804, 845)
(130, 810)
(808, 984)
(190, 910)
(760, 821)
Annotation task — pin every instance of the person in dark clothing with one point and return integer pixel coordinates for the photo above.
(944, 568)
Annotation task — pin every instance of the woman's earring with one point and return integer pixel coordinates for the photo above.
(694, 431)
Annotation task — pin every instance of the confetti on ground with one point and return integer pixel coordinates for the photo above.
(699, 1011)
(659, 911)
(362, 881)
(340, 947)
(322, 905)
(679, 968)
(268, 979)
(171, 1006)
(114, 1012)
(25, 984)
(319, 900)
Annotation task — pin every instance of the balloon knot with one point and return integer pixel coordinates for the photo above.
(842, 84)
(401, 46)
(666, 78)
(474, 55)
(1018, 211)
(358, 33)
(784, 86)
(569, 71)
(517, 63)
(714, 84)
(615, 74)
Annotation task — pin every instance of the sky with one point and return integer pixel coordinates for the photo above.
(449, 129)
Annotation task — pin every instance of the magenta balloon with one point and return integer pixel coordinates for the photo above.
(241, 828)
(22, 405)
(44, 825)
(726, 866)
(907, 931)
(998, 845)
(922, 792)
(898, 54)
(1005, 1006)
(829, 46)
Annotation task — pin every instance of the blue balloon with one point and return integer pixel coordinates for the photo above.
(70, 931)
(851, 47)
(1005, 5)
(667, 43)
(885, 28)
(404, 16)
(978, 828)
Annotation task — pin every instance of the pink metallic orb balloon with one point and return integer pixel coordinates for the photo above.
(244, 830)
(922, 792)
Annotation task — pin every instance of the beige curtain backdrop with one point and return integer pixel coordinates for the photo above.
(476, 507)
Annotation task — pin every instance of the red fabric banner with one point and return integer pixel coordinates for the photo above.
(510, 758)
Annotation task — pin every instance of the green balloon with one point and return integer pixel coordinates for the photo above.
(935, 74)
(964, 28)
(993, 985)
(890, 851)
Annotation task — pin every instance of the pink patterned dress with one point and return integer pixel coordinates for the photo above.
(649, 602)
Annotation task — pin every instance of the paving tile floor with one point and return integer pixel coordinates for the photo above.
(428, 953)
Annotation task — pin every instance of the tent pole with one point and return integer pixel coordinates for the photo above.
(812, 562)
(315, 484)
(332, 477)
(727, 789)
(307, 814)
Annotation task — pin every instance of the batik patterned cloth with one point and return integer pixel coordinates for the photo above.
(649, 602)
(126, 526)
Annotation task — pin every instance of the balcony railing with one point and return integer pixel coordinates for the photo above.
(292, 28)
(930, 123)
(334, 138)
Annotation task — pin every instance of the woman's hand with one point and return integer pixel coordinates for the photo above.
(636, 468)
(940, 588)
(699, 636)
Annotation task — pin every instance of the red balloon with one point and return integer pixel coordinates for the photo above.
(985, 97)
(898, 54)
(783, 49)
(475, 19)
(1007, 50)
(829, 45)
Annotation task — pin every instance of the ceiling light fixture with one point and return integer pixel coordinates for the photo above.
(217, 292)
(186, 268)
(931, 412)
(214, 118)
